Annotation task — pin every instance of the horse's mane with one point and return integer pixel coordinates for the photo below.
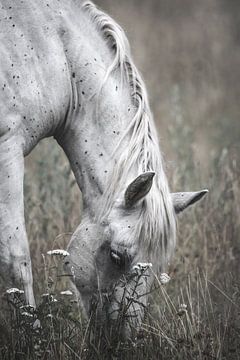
(157, 226)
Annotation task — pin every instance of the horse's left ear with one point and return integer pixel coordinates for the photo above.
(138, 188)
(182, 200)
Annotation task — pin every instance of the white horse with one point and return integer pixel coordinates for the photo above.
(67, 72)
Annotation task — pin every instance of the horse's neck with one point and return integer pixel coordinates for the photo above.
(97, 119)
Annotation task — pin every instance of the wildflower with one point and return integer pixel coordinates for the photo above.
(66, 292)
(49, 316)
(46, 295)
(182, 310)
(164, 278)
(14, 291)
(26, 314)
(58, 252)
(141, 267)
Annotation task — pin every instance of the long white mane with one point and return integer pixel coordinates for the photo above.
(157, 226)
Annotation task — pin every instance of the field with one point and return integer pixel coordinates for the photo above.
(189, 57)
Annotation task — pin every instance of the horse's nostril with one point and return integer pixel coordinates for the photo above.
(119, 258)
(115, 257)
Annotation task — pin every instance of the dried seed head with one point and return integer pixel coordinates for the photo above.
(182, 310)
(164, 278)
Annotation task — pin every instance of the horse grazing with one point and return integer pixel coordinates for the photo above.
(67, 72)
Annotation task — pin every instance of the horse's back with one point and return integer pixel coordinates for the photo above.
(34, 69)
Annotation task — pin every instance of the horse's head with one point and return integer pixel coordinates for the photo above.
(104, 256)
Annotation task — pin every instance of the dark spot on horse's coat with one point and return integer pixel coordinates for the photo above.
(101, 154)
(66, 262)
(85, 140)
(129, 226)
(95, 59)
(17, 228)
(81, 81)
(86, 229)
(105, 171)
(114, 131)
(85, 152)
(93, 177)
(83, 92)
(129, 109)
(73, 74)
(13, 76)
(76, 163)
(116, 88)
(13, 25)
(25, 264)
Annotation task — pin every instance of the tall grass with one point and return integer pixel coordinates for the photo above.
(195, 316)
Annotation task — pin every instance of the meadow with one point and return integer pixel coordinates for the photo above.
(189, 56)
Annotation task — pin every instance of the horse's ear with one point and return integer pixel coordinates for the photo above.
(138, 188)
(182, 200)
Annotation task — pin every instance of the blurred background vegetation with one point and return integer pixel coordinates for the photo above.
(189, 55)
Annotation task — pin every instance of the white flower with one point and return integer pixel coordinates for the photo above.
(50, 316)
(25, 313)
(66, 292)
(164, 278)
(58, 252)
(45, 295)
(182, 310)
(14, 291)
(142, 266)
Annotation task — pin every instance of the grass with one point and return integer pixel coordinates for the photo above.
(195, 316)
